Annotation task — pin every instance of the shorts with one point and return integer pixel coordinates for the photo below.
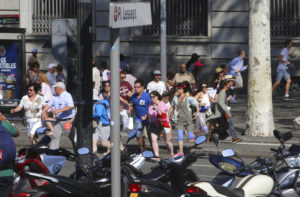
(282, 73)
(154, 128)
(102, 132)
(238, 81)
(139, 126)
(166, 130)
(33, 126)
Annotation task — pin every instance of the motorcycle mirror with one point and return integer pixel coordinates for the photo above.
(200, 139)
(215, 139)
(148, 154)
(41, 130)
(83, 151)
(228, 152)
(276, 134)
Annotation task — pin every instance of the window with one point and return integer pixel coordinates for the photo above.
(45, 11)
(285, 19)
(184, 18)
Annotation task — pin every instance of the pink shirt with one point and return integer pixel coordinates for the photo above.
(153, 114)
(46, 91)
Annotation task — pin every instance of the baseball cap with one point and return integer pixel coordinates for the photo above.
(156, 72)
(34, 51)
(60, 84)
(51, 66)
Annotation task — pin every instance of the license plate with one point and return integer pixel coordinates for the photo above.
(134, 195)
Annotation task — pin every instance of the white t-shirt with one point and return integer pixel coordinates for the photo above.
(285, 54)
(96, 78)
(106, 75)
(160, 87)
(33, 110)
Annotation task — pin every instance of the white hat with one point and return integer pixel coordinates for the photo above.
(156, 72)
(51, 66)
(60, 84)
(229, 78)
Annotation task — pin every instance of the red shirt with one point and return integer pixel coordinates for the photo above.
(125, 87)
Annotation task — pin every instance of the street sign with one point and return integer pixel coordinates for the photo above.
(8, 19)
(123, 15)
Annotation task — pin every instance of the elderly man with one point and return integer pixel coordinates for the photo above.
(182, 76)
(51, 75)
(64, 111)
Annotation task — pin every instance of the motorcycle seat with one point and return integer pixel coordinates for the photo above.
(236, 192)
(295, 149)
(223, 179)
(85, 186)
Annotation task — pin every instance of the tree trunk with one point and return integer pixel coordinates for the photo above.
(260, 107)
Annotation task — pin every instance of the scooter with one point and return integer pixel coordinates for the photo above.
(250, 186)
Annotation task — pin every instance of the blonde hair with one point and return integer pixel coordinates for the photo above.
(43, 78)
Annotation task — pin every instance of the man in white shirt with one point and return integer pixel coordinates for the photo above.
(96, 81)
(157, 84)
(283, 71)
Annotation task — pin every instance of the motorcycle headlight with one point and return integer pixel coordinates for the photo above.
(289, 180)
(292, 162)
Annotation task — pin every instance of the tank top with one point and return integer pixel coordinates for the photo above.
(33, 78)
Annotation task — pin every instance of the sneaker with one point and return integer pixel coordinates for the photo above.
(287, 98)
(236, 140)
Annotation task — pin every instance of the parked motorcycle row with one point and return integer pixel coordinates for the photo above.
(37, 167)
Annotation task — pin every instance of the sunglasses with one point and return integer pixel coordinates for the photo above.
(29, 90)
(107, 86)
(204, 86)
(123, 77)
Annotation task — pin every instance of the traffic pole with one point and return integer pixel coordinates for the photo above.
(115, 112)
(163, 40)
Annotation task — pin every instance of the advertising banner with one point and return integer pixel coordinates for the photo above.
(9, 70)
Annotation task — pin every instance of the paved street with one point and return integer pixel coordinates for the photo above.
(249, 148)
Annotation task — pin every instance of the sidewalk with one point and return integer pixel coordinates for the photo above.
(284, 113)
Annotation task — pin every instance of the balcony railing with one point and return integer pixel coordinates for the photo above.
(45, 11)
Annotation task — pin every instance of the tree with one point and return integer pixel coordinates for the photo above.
(260, 107)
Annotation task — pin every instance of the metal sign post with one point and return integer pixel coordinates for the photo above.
(121, 15)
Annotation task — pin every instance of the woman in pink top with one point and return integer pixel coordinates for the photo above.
(159, 122)
(45, 88)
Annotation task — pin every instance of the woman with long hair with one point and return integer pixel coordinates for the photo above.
(181, 109)
(159, 122)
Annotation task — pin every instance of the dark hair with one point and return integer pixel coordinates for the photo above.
(201, 84)
(59, 68)
(287, 42)
(193, 59)
(240, 51)
(140, 81)
(171, 74)
(34, 85)
(104, 82)
(155, 93)
(35, 64)
(123, 72)
(187, 87)
(103, 64)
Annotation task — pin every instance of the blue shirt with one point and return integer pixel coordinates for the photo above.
(63, 100)
(101, 111)
(236, 63)
(141, 105)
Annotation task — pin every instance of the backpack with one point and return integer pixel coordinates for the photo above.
(7, 146)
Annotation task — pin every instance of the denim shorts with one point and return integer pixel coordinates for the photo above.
(283, 73)
(139, 126)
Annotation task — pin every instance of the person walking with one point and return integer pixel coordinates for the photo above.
(283, 70)
(236, 66)
(64, 111)
(8, 154)
(181, 110)
(32, 59)
(140, 101)
(32, 103)
(51, 75)
(182, 76)
(222, 109)
(33, 74)
(156, 84)
(60, 77)
(204, 101)
(96, 80)
(159, 123)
